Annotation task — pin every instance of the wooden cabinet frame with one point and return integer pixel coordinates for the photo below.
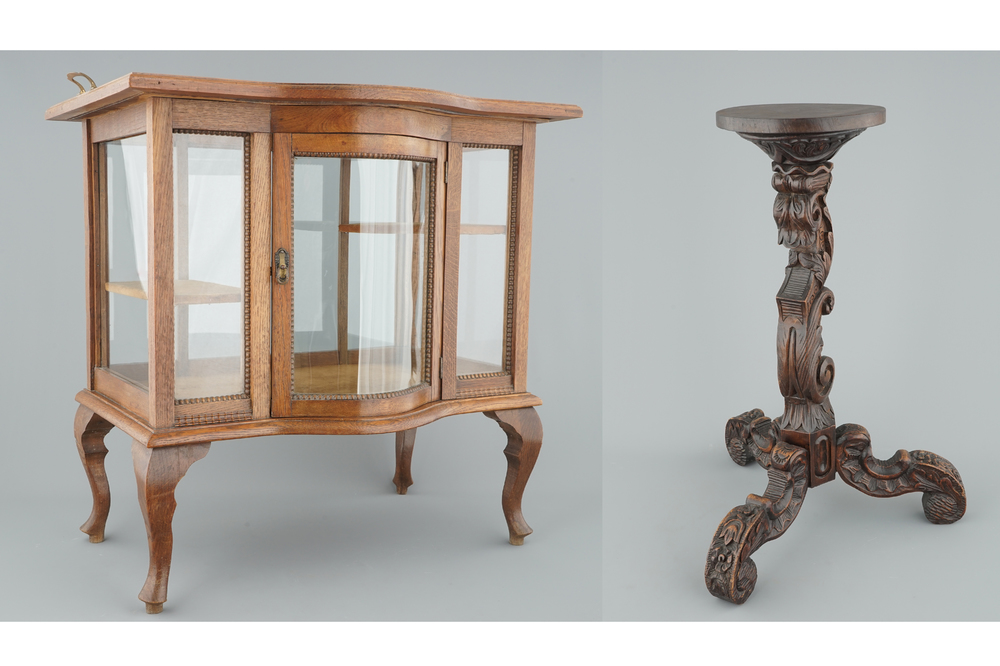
(278, 122)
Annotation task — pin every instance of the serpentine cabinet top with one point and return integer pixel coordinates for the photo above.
(132, 86)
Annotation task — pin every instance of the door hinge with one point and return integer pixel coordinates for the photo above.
(446, 172)
(441, 368)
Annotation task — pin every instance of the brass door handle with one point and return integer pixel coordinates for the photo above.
(281, 266)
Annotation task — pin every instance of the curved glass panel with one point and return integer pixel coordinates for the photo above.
(359, 269)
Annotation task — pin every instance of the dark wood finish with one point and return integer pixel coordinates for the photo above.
(804, 447)
(281, 120)
(404, 454)
(90, 429)
(905, 472)
(157, 473)
(524, 441)
(799, 118)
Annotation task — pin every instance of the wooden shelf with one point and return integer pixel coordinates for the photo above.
(330, 378)
(394, 228)
(186, 292)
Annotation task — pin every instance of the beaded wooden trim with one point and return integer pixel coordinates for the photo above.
(246, 272)
(484, 392)
(209, 419)
(515, 166)
(428, 287)
(484, 375)
(360, 396)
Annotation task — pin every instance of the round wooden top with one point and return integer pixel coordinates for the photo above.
(799, 118)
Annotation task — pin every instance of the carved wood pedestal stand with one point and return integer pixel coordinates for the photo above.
(804, 447)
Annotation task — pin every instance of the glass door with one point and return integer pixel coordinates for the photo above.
(354, 274)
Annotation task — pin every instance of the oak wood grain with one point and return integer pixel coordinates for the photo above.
(91, 249)
(195, 114)
(157, 473)
(452, 224)
(487, 130)
(135, 84)
(404, 455)
(524, 441)
(120, 123)
(522, 260)
(89, 429)
(127, 422)
(360, 119)
(260, 274)
(160, 283)
(126, 393)
(281, 294)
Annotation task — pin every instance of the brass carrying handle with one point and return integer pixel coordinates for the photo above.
(281, 266)
(72, 77)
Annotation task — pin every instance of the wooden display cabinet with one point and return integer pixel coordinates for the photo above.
(275, 259)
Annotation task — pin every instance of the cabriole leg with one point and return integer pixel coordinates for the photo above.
(524, 441)
(90, 429)
(157, 473)
(404, 453)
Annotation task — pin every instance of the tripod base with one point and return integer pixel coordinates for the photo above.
(730, 574)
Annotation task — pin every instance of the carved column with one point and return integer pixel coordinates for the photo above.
(802, 177)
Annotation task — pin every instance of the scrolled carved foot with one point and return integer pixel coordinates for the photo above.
(730, 574)
(750, 436)
(905, 472)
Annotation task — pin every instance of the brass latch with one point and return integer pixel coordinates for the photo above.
(281, 266)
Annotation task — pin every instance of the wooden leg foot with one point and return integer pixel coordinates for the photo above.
(524, 441)
(157, 473)
(404, 453)
(905, 472)
(740, 436)
(90, 429)
(730, 574)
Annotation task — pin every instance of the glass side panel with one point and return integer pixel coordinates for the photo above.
(210, 227)
(359, 269)
(483, 261)
(123, 196)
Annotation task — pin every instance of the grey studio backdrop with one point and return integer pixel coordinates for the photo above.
(654, 271)
(304, 528)
(691, 268)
